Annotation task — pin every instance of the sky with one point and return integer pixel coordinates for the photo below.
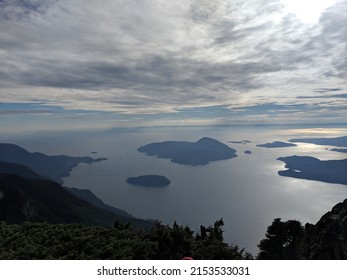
(90, 64)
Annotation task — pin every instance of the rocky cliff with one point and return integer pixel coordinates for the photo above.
(328, 238)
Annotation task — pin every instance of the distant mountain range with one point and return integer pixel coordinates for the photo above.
(339, 150)
(337, 141)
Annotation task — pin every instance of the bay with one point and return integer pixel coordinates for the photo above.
(245, 191)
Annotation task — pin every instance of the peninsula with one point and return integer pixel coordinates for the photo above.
(310, 168)
(53, 167)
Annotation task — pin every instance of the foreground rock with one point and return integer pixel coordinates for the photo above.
(327, 240)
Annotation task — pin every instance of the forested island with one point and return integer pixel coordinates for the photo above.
(200, 152)
(277, 144)
(149, 181)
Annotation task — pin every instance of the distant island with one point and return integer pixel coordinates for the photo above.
(240, 142)
(53, 167)
(149, 181)
(310, 168)
(201, 152)
(277, 144)
(339, 150)
(337, 141)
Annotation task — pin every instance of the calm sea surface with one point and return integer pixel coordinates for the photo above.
(245, 191)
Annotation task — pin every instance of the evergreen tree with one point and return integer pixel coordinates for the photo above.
(283, 241)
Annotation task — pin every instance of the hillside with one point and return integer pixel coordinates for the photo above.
(84, 194)
(40, 200)
(18, 169)
(90, 197)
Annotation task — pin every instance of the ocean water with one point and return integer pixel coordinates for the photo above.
(245, 191)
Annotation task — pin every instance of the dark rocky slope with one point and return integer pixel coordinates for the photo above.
(328, 238)
(40, 200)
(289, 240)
(84, 194)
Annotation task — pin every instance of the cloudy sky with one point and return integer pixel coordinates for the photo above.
(119, 63)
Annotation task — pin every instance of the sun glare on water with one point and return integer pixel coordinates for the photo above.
(308, 11)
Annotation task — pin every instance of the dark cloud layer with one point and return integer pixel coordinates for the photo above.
(322, 90)
(163, 56)
(334, 96)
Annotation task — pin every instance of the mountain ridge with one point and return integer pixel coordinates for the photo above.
(27, 196)
(54, 167)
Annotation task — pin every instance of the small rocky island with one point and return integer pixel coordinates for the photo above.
(240, 142)
(277, 144)
(149, 181)
(200, 152)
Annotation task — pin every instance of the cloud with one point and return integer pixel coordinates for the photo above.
(344, 95)
(23, 10)
(155, 57)
(323, 90)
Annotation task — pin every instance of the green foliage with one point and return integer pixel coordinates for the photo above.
(210, 246)
(77, 241)
(283, 241)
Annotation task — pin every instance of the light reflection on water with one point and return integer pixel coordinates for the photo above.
(246, 191)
